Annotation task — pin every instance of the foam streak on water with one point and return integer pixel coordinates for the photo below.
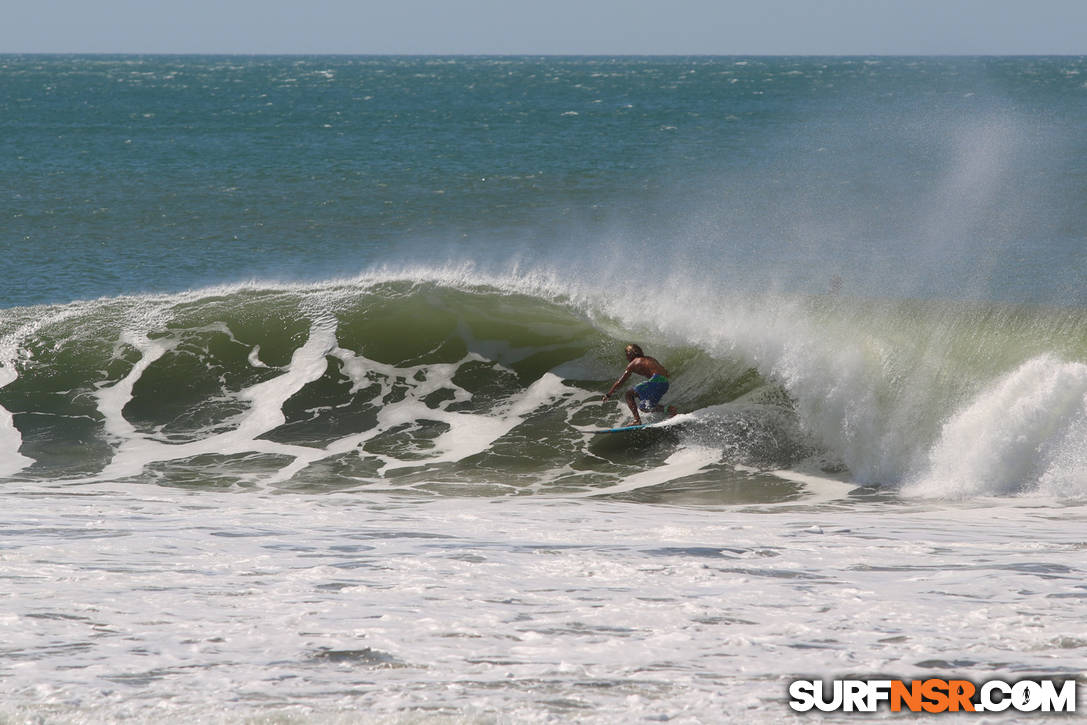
(265, 412)
(467, 434)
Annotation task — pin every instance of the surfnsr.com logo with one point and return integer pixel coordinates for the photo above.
(933, 695)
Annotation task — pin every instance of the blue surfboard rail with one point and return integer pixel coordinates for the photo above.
(624, 429)
(668, 423)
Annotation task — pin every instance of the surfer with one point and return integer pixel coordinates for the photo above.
(645, 395)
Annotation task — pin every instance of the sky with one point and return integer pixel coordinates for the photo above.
(561, 27)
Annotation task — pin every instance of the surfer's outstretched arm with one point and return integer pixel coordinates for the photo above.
(622, 379)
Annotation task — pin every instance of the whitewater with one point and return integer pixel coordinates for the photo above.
(296, 425)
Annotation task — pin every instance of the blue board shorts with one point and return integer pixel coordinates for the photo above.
(650, 392)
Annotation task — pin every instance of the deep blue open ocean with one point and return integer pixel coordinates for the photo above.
(301, 360)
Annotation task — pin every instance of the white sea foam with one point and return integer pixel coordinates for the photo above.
(219, 607)
(1024, 430)
(11, 461)
(113, 399)
(684, 462)
(136, 450)
(467, 433)
(1066, 476)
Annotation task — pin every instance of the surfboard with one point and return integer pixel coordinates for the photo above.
(658, 424)
(624, 429)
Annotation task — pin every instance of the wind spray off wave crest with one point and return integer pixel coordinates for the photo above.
(876, 382)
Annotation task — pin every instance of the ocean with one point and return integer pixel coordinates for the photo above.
(301, 360)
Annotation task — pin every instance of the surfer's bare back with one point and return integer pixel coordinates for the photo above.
(645, 395)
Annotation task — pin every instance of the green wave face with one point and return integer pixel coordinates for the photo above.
(399, 384)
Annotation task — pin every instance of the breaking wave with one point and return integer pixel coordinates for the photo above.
(449, 381)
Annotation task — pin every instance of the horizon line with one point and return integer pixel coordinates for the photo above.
(334, 54)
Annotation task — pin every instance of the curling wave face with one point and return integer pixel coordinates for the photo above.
(483, 386)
